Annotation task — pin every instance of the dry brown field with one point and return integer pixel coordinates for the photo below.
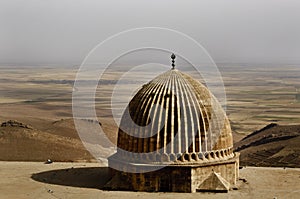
(39, 101)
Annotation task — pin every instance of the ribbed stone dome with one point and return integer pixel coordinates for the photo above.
(174, 118)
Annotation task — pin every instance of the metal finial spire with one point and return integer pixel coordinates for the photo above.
(173, 56)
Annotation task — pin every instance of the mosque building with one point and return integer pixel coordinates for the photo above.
(174, 136)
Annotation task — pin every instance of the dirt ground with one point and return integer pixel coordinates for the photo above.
(84, 180)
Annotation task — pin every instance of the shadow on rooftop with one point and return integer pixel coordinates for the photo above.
(90, 177)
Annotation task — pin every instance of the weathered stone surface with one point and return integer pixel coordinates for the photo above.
(169, 178)
(175, 114)
(176, 125)
(214, 182)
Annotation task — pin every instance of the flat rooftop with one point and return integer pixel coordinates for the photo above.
(84, 180)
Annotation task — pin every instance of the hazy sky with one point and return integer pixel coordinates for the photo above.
(234, 31)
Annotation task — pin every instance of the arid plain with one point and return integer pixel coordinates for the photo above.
(38, 102)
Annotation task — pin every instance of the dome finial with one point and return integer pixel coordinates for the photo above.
(173, 56)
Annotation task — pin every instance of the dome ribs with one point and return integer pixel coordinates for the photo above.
(173, 106)
(189, 133)
(139, 111)
(145, 119)
(184, 117)
(178, 119)
(155, 131)
(205, 109)
(163, 137)
(177, 122)
(196, 123)
(160, 114)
